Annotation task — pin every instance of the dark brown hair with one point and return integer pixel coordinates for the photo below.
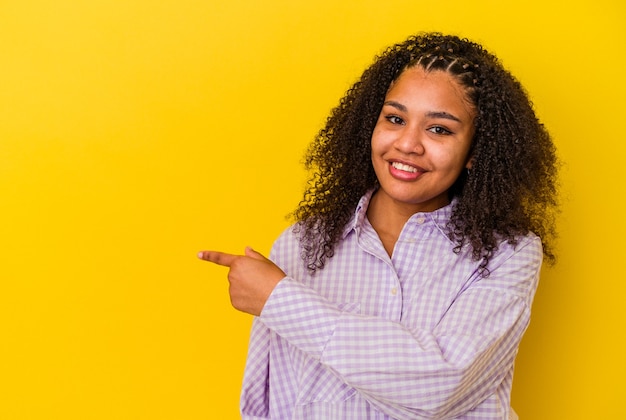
(511, 190)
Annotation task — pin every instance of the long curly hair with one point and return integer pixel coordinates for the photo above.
(510, 191)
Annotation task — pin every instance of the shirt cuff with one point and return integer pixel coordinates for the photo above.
(301, 316)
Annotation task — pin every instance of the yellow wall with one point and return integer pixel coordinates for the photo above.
(135, 132)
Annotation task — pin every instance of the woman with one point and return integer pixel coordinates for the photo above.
(405, 286)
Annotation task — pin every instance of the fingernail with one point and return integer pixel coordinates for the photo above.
(201, 255)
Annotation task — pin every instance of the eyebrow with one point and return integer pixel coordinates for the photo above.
(442, 114)
(431, 114)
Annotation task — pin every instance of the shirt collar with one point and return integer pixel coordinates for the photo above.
(439, 217)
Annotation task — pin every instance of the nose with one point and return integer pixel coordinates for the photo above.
(410, 141)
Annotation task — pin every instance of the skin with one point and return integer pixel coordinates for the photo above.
(420, 145)
(252, 278)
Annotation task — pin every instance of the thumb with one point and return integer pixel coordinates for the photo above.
(249, 252)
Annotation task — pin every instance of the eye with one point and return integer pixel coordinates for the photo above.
(394, 119)
(442, 131)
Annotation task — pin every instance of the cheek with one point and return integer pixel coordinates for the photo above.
(375, 143)
(376, 156)
(457, 153)
(380, 140)
(452, 161)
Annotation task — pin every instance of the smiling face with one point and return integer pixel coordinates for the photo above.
(422, 140)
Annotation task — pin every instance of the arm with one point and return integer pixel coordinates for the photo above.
(409, 373)
(254, 401)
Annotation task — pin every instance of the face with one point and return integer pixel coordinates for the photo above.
(422, 139)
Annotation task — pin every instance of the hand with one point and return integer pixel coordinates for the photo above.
(252, 278)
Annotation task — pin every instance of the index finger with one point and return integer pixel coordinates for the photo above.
(216, 257)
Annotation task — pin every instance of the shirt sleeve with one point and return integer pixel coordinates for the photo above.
(418, 373)
(254, 402)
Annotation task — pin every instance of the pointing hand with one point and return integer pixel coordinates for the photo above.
(252, 278)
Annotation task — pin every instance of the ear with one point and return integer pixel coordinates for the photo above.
(470, 162)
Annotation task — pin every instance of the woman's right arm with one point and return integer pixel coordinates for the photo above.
(254, 402)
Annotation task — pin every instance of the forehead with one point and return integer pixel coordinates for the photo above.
(437, 88)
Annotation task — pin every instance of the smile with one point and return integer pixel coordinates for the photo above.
(403, 167)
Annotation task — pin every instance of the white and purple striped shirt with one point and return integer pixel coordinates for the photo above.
(420, 335)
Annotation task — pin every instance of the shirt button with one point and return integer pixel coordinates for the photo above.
(394, 291)
(420, 220)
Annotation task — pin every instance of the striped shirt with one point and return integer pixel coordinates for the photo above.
(418, 335)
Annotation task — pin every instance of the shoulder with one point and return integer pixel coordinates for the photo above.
(288, 238)
(286, 251)
(515, 267)
(523, 254)
(527, 247)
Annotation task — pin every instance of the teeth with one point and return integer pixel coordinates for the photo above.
(403, 167)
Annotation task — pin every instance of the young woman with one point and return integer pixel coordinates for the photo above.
(405, 286)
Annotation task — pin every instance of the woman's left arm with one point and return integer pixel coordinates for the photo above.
(417, 373)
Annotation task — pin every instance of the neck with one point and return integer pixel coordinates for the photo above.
(388, 217)
(388, 220)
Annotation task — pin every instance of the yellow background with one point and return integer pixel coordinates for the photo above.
(134, 133)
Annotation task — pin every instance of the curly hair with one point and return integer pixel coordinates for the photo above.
(510, 191)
